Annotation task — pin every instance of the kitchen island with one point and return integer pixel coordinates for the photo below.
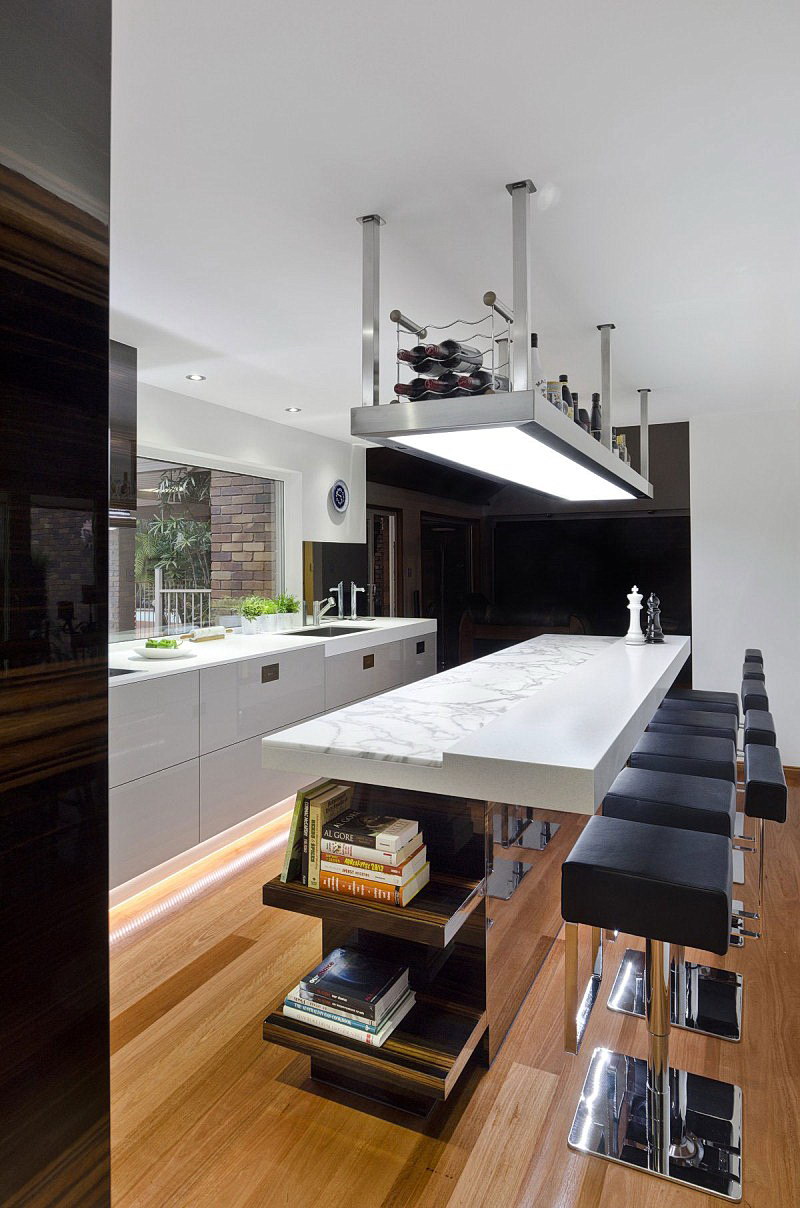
(500, 761)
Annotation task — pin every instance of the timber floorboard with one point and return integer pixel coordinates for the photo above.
(204, 1113)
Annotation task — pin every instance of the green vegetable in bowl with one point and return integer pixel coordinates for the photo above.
(161, 644)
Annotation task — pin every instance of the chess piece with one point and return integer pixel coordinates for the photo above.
(653, 632)
(635, 637)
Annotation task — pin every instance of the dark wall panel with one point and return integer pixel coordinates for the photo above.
(54, 1095)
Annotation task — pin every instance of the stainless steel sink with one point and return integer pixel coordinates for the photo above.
(112, 671)
(324, 631)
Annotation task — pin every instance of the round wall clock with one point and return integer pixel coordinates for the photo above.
(340, 495)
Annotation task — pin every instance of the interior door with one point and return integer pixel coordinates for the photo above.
(382, 549)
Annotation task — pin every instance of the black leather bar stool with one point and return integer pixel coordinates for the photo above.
(754, 695)
(687, 754)
(669, 886)
(766, 798)
(694, 721)
(754, 671)
(699, 698)
(759, 728)
(703, 998)
(753, 655)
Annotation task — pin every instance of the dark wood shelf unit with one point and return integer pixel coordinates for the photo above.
(434, 917)
(423, 1057)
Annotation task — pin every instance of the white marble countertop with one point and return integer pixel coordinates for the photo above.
(548, 722)
(236, 646)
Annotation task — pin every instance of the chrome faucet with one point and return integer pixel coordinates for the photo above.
(320, 607)
(354, 599)
(339, 589)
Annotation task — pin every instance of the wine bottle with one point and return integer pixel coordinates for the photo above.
(411, 356)
(482, 382)
(566, 397)
(583, 419)
(446, 386)
(596, 422)
(575, 408)
(452, 355)
(537, 373)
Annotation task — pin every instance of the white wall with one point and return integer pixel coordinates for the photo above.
(172, 424)
(745, 509)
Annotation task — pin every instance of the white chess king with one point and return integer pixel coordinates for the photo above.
(635, 637)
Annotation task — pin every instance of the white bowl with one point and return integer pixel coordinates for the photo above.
(154, 652)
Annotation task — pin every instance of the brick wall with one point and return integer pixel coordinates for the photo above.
(243, 536)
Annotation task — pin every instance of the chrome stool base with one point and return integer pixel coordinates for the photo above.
(706, 1127)
(710, 1002)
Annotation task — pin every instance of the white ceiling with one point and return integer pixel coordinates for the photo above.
(664, 139)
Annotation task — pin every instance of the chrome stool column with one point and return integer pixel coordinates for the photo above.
(676, 886)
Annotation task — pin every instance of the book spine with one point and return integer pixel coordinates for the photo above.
(374, 891)
(294, 830)
(386, 874)
(332, 1003)
(306, 817)
(313, 846)
(330, 1025)
(364, 1025)
(335, 847)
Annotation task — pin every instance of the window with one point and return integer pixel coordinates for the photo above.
(202, 540)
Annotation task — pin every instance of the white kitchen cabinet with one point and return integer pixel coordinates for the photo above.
(234, 786)
(153, 818)
(420, 657)
(364, 672)
(153, 724)
(251, 697)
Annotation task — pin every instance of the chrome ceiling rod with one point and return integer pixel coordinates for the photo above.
(605, 330)
(370, 293)
(520, 330)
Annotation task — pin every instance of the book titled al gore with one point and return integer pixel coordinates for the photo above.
(364, 984)
(379, 832)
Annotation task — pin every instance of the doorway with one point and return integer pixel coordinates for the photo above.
(449, 559)
(383, 553)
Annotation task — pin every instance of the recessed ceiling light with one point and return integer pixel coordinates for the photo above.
(195, 377)
(293, 410)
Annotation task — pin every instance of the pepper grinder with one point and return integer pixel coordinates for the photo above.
(654, 633)
(635, 637)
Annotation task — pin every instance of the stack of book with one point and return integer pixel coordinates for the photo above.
(353, 994)
(315, 805)
(378, 857)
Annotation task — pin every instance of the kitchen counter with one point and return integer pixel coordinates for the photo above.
(236, 646)
(548, 722)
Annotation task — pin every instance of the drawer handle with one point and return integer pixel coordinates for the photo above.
(270, 672)
(420, 647)
(369, 661)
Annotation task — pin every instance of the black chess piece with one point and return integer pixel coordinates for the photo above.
(653, 631)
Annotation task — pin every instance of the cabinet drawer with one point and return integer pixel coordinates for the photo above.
(420, 657)
(234, 786)
(360, 673)
(152, 819)
(152, 725)
(254, 696)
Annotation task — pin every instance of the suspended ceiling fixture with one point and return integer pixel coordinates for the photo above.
(510, 436)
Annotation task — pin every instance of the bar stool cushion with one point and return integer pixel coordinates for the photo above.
(715, 725)
(759, 728)
(754, 671)
(696, 698)
(765, 793)
(694, 803)
(689, 755)
(654, 881)
(753, 655)
(754, 695)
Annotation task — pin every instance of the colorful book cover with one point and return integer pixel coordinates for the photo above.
(333, 847)
(376, 891)
(376, 1039)
(355, 979)
(383, 832)
(387, 874)
(293, 857)
(321, 809)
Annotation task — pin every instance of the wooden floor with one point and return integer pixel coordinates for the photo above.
(206, 1114)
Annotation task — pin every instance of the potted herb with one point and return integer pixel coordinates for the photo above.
(251, 609)
(268, 620)
(287, 607)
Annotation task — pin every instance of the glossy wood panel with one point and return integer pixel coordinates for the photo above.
(53, 696)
